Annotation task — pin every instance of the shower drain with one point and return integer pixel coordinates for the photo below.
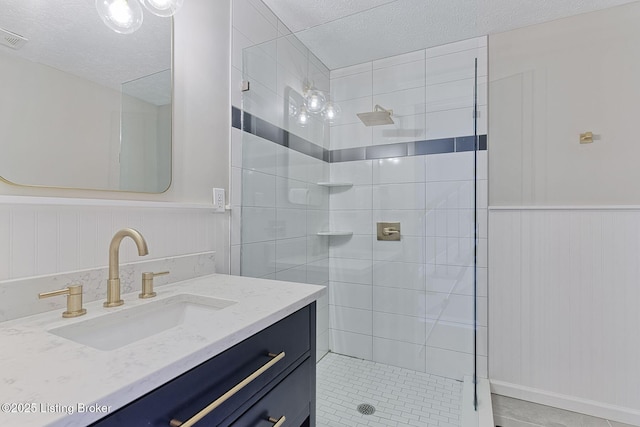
(366, 409)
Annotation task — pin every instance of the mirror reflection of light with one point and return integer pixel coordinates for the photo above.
(121, 13)
(122, 16)
(125, 16)
(303, 116)
(160, 4)
(164, 8)
(293, 108)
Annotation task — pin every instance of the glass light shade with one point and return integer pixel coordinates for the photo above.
(331, 111)
(122, 16)
(303, 117)
(162, 8)
(315, 100)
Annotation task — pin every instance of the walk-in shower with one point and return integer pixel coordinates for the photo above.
(404, 320)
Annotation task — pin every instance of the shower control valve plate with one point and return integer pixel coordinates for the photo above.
(389, 231)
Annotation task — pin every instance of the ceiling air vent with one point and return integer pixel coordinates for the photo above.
(12, 40)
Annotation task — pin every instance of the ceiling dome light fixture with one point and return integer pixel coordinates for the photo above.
(163, 8)
(122, 16)
(125, 16)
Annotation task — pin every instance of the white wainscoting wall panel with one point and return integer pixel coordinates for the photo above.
(39, 239)
(564, 290)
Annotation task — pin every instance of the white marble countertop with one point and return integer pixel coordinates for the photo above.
(48, 380)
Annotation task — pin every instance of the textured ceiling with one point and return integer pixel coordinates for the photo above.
(300, 15)
(343, 33)
(70, 36)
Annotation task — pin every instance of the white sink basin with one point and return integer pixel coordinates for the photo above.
(115, 330)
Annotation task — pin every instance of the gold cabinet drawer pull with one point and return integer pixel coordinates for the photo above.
(219, 401)
(278, 422)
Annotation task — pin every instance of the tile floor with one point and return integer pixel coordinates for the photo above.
(402, 397)
(508, 412)
(407, 398)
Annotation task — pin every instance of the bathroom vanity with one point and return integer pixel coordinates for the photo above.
(241, 349)
(281, 385)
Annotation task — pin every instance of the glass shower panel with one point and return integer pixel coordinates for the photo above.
(315, 193)
(456, 217)
(451, 214)
(284, 161)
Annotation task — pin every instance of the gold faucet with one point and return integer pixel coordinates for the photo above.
(113, 284)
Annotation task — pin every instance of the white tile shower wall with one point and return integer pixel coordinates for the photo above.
(278, 67)
(282, 216)
(279, 218)
(430, 92)
(277, 206)
(415, 295)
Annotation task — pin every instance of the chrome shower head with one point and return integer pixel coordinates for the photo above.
(379, 116)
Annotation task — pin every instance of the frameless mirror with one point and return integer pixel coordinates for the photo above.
(82, 106)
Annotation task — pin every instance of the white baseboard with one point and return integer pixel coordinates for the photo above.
(569, 403)
(483, 417)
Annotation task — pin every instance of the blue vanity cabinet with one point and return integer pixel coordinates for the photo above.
(285, 388)
(294, 407)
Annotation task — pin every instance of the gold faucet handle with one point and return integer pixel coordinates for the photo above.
(74, 300)
(147, 283)
(388, 231)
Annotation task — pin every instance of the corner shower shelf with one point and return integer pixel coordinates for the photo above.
(335, 184)
(335, 233)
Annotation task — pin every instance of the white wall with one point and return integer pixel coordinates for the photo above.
(115, 135)
(38, 146)
(145, 141)
(73, 237)
(409, 303)
(563, 281)
(551, 82)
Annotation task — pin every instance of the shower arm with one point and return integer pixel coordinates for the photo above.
(378, 108)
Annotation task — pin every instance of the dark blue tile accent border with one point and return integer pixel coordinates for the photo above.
(266, 130)
(482, 142)
(256, 126)
(386, 151)
(348, 155)
(236, 118)
(407, 149)
(435, 146)
(465, 143)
